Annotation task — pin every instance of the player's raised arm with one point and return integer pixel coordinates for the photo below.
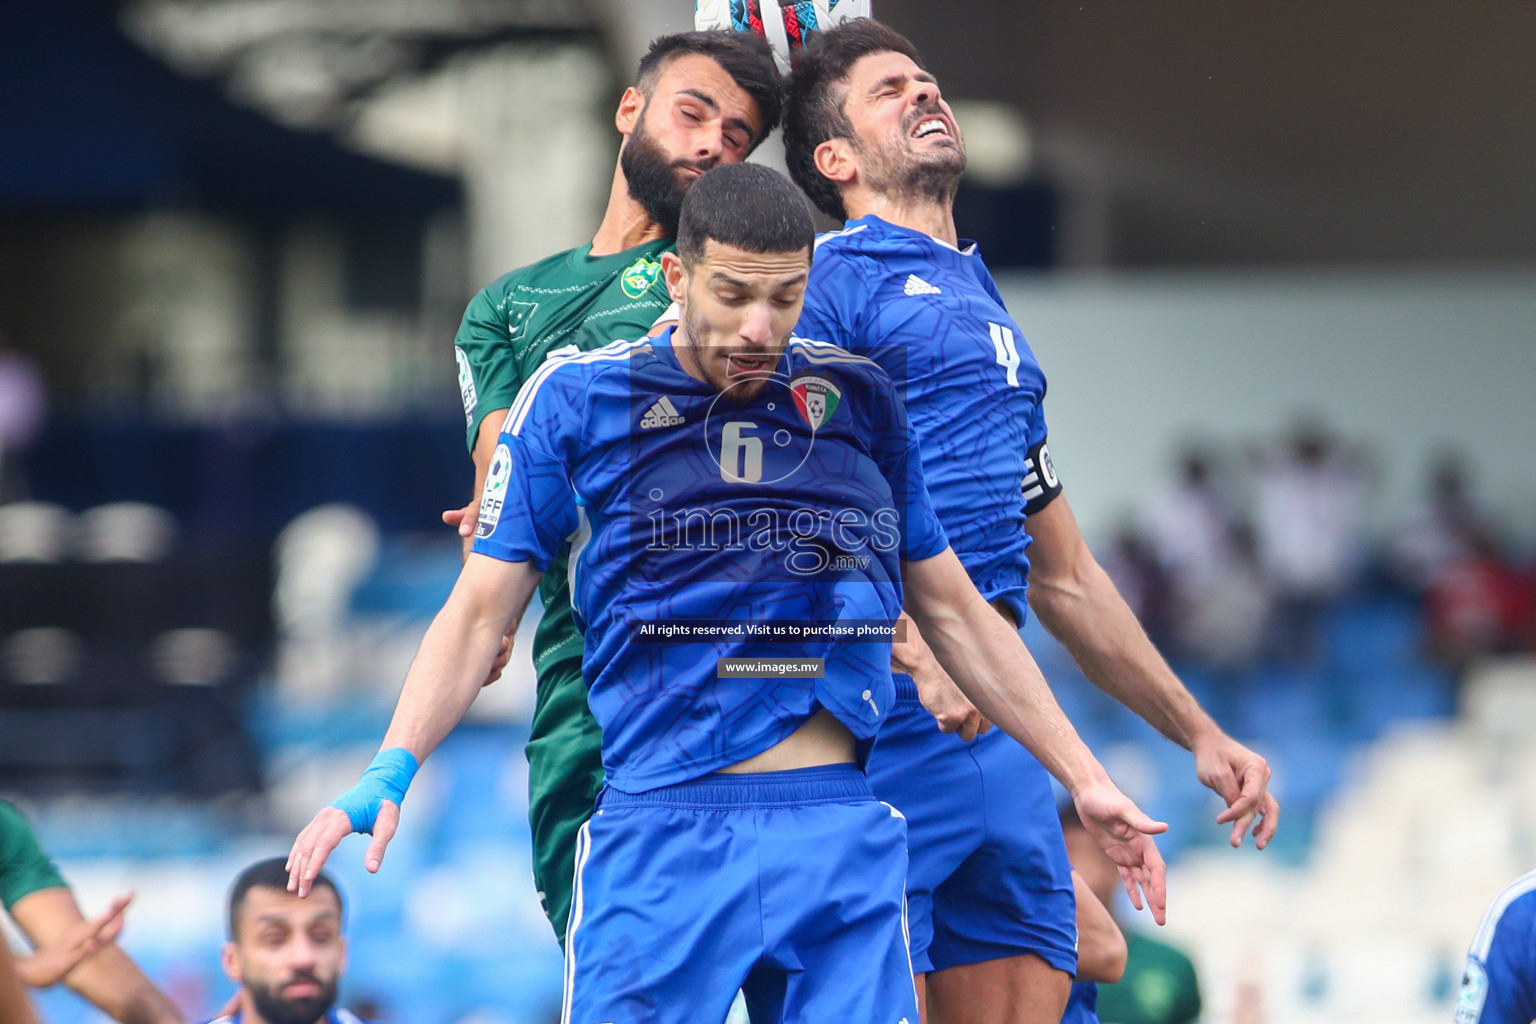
(1079, 604)
(992, 667)
(440, 686)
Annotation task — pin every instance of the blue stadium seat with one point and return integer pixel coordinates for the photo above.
(1373, 633)
(1279, 703)
(1377, 697)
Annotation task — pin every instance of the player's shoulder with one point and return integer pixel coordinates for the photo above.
(807, 355)
(570, 370)
(856, 243)
(1515, 906)
(552, 277)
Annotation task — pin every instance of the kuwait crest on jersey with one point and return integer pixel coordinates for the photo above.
(639, 276)
(817, 399)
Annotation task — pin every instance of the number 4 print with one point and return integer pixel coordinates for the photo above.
(1007, 352)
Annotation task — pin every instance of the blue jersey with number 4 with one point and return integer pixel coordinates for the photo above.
(1499, 986)
(931, 315)
(699, 519)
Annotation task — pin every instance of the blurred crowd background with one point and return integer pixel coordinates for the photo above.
(1279, 265)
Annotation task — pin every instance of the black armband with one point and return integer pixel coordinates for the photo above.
(1041, 484)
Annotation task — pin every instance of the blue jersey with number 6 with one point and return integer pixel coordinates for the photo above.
(697, 517)
(931, 315)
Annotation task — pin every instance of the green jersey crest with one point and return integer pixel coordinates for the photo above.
(639, 276)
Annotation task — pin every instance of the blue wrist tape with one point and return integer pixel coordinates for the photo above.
(387, 778)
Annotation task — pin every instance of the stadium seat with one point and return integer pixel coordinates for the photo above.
(1370, 634)
(125, 531)
(34, 531)
(1377, 697)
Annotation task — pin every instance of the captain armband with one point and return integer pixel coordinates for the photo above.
(1041, 485)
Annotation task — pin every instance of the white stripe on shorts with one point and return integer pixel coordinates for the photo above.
(583, 851)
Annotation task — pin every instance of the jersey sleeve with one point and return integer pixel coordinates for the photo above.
(24, 866)
(1499, 986)
(836, 297)
(528, 507)
(894, 444)
(488, 374)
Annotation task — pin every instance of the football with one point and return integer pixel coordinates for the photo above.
(786, 24)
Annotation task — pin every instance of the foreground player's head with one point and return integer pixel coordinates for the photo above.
(699, 99)
(743, 256)
(1088, 858)
(864, 119)
(286, 954)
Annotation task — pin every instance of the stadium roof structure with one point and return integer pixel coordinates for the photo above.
(92, 121)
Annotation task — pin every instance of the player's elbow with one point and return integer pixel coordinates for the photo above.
(1101, 956)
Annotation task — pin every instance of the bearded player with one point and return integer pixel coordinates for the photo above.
(871, 141)
(699, 99)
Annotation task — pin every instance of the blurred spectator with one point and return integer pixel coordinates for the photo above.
(1134, 567)
(1309, 499)
(1223, 617)
(1477, 604)
(1159, 985)
(1187, 525)
(1439, 531)
(23, 408)
(70, 948)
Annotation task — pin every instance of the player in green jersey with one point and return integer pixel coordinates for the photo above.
(68, 946)
(699, 99)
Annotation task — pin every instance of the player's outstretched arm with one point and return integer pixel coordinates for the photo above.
(937, 691)
(449, 669)
(1101, 948)
(58, 951)
(14, 1005)
(82, 953)
(1078, 602)
(989, 662)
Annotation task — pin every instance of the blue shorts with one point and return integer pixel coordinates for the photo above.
(788, 886)
(1082, 1004)
(988, 875)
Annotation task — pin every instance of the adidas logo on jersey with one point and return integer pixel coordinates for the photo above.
(917, 286)
(662, 414)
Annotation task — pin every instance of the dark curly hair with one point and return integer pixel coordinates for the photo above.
(747, 58)
(814, 112)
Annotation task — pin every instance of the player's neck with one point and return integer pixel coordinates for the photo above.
(936, 219)
(625, 222)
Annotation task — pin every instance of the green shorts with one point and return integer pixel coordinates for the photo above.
(565, 766)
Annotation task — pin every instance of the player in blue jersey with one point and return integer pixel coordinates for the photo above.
(1499, 986)
(735, 498)
(871, 141)
(286, 954)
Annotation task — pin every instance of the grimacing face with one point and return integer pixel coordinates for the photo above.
(738, 311)
(288, 954)
(905, 136)
(695, 117)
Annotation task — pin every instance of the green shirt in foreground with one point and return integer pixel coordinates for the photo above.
(1159, 986)
(571, 299)
(24, 867)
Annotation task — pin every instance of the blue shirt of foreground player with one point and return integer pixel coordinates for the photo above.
(693, 507)
(931, 315)
(1499, 986)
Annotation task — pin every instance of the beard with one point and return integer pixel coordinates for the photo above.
(895, 170)
(652, 178)
(732, 389)
(277, 1009)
